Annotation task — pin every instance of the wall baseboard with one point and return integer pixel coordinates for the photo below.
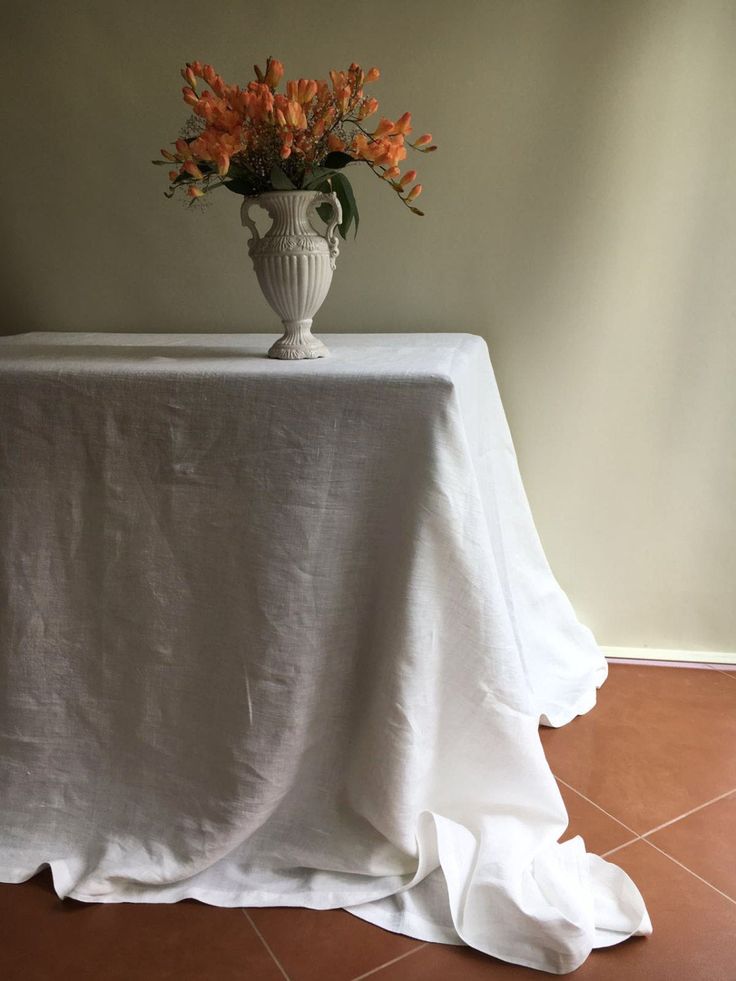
(657, 654)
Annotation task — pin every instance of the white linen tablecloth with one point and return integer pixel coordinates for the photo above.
(281, 633)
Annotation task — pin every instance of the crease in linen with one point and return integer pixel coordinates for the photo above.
(282, 634)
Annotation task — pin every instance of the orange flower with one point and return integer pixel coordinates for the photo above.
(334, 142)
(339, 80)
(274, 73)
(182, 148)
(383, 129)
(403, 124)
(193, 170)
(414, 193)
(343, 98)
(373, 75)
(295, 116)
(368, 108)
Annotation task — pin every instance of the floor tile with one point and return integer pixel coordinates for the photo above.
(327, 945)
(694, 937)
(653, 748)
(600, 832)
(704, 842)
(55, 940)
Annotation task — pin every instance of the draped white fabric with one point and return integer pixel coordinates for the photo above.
(281, 633)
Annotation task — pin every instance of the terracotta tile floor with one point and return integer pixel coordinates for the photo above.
(649, 775)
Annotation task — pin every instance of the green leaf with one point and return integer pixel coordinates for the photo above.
(240, 186)
(279, 180)
(342, 187)
(337, 160)
(315, 177)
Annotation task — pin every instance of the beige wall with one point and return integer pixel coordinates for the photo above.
(581, 217)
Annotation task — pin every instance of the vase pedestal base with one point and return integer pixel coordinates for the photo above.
(298, 343)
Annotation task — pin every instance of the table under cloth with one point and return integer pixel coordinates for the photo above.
(281, 634)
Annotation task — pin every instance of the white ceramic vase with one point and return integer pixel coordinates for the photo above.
(294, 264)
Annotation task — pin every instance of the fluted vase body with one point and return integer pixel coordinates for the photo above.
(294, 263)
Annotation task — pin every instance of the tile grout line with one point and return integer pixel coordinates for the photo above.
(688, 813)
(618, 848)
(598, 806)
(651, 831)
(695, 874)
(260, 936)
(380, 967)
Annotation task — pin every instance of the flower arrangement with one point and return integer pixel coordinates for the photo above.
(255, 139)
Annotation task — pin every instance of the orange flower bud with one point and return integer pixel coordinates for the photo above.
(182, 148)
(414, 193)
(274, 73)
(334, 142)
(343, 97)
(190, 96)
(285, 152)
(167, 156)
(295, 116)
(193, 170)
(372, 75)
(195, 192)
(392, 173)
(280, 118)
(424, 139)
(409, 176)
(173, 174)
(223, 164)
(209, 74)
(403, 124)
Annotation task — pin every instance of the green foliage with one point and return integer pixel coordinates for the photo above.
(344, 191)
(279, 180)
(337, 160)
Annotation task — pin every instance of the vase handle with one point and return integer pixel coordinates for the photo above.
(330, 232)
(247, 221)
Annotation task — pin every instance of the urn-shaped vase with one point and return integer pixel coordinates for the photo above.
(294, 263)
